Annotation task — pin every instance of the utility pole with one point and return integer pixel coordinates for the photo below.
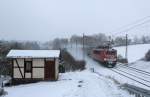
(76, 49)
(126, 53)
(83, 47)
(71, 43)
(109, 42)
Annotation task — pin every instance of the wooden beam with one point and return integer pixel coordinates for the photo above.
(55, 67)
(32, 68)
(19, 68)
(44, 67)
(12, 64)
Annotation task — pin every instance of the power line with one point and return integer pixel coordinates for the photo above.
(126, 30)
(134, 25)
(131, 23)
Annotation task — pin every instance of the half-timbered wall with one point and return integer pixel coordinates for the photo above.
(37, 68)
(16, 71)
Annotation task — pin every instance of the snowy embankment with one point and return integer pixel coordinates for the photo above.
(135, 52)
(138, 52)
(73, 84)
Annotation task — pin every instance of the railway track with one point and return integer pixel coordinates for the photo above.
(135, 69)
(137, 75)
(131, 78)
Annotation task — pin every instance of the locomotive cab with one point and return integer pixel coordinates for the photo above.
(110, 57)
(105, 55)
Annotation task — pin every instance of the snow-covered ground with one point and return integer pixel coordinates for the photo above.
(138, 52)
(73, 84)
(141, 65)
(103, 83)
(135, 52)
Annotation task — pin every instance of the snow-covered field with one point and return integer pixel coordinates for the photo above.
(135, 52)
(73, 84)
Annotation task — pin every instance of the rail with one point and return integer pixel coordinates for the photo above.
(131, 78)
(137, 91)
(134, 90)
(134, 75)
(136, 70)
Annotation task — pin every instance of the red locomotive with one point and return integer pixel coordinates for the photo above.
(106, 55)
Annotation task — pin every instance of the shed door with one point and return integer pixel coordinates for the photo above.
(49, 70)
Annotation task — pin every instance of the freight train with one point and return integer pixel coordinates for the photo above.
(105, 55)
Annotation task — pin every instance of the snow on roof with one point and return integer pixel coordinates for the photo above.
(33, 54)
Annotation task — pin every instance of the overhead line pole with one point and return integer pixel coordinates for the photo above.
(76, 49)
(83, 47)
(126, 53)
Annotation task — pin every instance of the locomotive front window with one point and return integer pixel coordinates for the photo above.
(96, 52)
(111, 52)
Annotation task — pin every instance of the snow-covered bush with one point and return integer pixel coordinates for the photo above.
(69, 63)
(120, 56)
(121, 59)
(147, 56)
(80, 65)
(5, 67)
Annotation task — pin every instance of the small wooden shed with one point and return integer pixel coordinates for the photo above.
(34, 65)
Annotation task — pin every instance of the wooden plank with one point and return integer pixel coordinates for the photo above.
(12, 70)
(32, 68)
(49, 70)
(24, 67)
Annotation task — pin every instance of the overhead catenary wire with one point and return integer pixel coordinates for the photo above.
(135, 22)
(126, 30)
(130, 26)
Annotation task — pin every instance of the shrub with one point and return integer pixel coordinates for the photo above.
(120, 56)
(5, 68)
(147, 56)
(80, 65)
(121, 59)
(69, 63)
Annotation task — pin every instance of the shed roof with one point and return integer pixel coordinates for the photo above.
(33, 54)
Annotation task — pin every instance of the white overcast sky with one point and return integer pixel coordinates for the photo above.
(47, 19)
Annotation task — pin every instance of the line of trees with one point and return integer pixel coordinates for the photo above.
(6, 46)
(99, 39)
